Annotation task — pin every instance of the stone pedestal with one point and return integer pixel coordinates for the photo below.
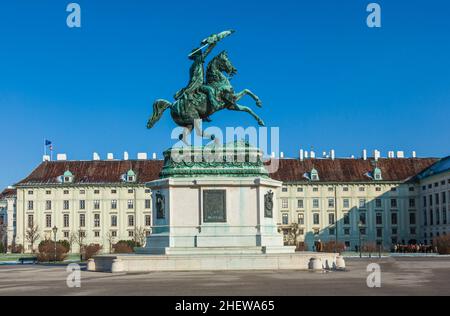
(214, 208)
(216, 200)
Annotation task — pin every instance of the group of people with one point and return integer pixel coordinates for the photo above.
(413, 248)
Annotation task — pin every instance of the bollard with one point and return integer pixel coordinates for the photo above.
(340, 263)
(315, 264)
(91, 265)
(117, 266)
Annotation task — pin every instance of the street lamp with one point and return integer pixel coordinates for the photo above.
(360, 226)
(335, 219)
(55, 230)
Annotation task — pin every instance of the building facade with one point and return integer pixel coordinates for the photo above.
(8, 217)
(356, 201)
(435, 204)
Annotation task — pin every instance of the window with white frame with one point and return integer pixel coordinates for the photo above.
(130, 220)
(301, 219)
(82, 220)
(346, 203)
(316, 219)
(113, 220)
(315, 203)
(331, 203)
(66, 222)
(96, 220)
(48, 221)
(285, 219)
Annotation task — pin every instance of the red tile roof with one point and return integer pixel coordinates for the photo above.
(94, 172)
(8, 193)
(351, 170)
(290, 170)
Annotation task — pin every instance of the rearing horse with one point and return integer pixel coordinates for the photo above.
(190, 109)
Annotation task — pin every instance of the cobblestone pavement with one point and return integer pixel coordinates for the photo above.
(400, 276)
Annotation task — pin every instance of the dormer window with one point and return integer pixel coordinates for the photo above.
(377, 174)
(67, 177)
(314, 175)
(130, 176)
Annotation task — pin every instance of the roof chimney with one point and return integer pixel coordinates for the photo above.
(154, 156)
(110, 156)
(313, 155)
(376, 154)
(95, 156)
(365, 154)
(46, 158)
(61, 157)
(414, 154)
(126, 156)
(281, 154)
(391, 154)
(306, 154)
(302, 156)
(333, 154)
(142, 156)
(400, 154)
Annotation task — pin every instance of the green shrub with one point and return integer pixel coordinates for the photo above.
(65, 244)
(330, 246)
(123, 247)
(47, 252)
(16, 248)
(91, 250)
(130, 243)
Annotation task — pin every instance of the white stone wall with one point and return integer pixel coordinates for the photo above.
(352, 192)
(8, 212)
(430, 187)
(73, 194)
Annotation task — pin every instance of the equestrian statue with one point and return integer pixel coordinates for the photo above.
(205, 94)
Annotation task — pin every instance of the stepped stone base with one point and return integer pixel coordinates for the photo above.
(210, 262)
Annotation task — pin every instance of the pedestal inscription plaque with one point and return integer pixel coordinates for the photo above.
(214, 206)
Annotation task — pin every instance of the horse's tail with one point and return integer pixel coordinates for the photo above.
(158, 109)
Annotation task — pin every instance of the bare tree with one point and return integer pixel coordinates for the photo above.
(80, 237)
(32, 235)
(2, 237)
(110, 238)
(72, 240)
(140, 235)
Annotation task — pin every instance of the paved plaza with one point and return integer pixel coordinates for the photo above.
(400, 276)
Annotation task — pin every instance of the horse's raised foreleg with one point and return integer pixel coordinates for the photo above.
(248, 92)
(237, 107)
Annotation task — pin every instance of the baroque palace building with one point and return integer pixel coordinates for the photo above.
(383, 201)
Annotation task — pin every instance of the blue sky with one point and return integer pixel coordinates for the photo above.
(325, 78)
